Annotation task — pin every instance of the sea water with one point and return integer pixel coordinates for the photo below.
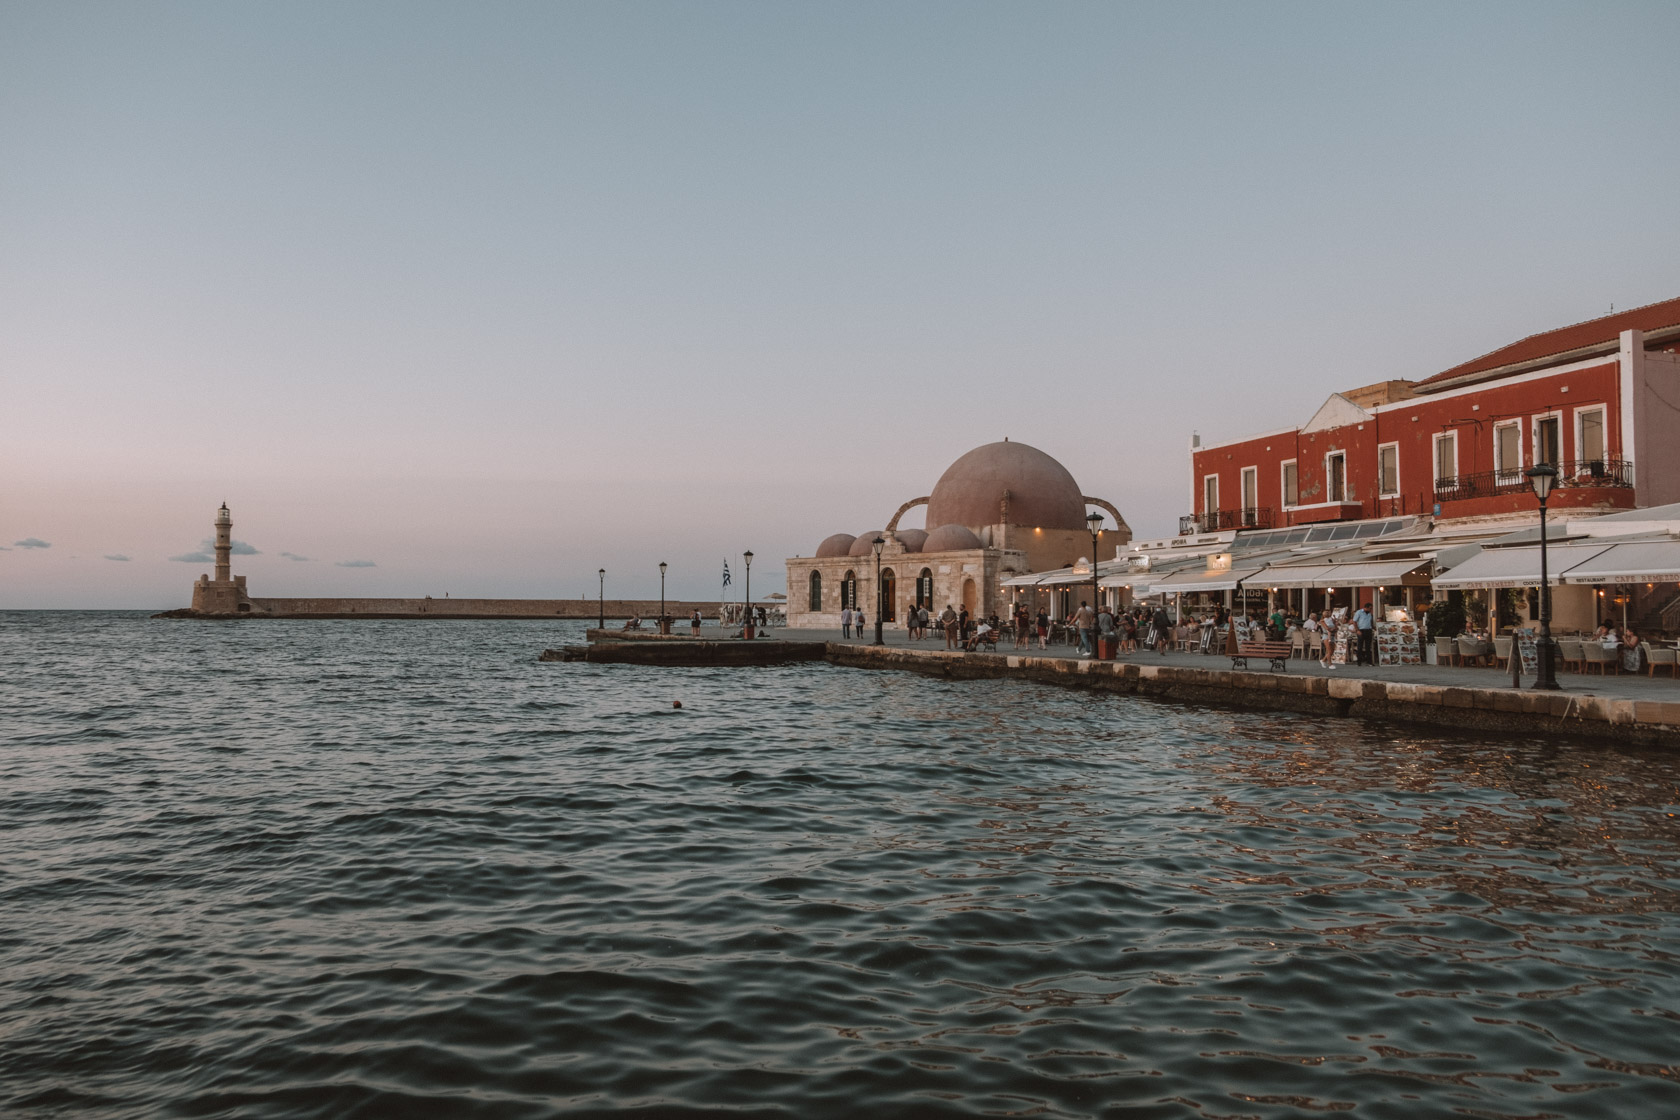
(403, 869)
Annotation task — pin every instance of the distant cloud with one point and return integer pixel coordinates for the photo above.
(116, 556)
(32, 542)
(357, 564)
(294, 556)
(207, 549)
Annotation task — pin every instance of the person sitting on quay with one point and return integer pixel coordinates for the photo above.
(978, 638)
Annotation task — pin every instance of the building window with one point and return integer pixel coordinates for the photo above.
(1210, 494)
(1589, 439)
(1548, 440)
(1507, 452)
(1388, 470)
(816, 591)
(848, 591)
(1335, 474)
(1291, 485)
(1446, 458)
(1250, 494)
(924, 588)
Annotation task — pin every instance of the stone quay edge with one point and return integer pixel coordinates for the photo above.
(1505, 711)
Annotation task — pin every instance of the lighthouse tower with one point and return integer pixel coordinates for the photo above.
(224, 545)
(225, 594)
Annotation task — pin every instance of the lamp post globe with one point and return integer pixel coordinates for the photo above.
(878, 544)
(601, 623)
(1543, 477)
(748, 629)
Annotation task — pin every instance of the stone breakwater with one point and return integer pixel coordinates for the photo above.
(1494, 710)
(453, 608)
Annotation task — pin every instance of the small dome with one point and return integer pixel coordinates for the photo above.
(835, 545)
(1041, 491)
(951, 538)
(864, 543)
(912, 539)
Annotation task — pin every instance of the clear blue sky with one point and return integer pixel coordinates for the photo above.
(491, 296)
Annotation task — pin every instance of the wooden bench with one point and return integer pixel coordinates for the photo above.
(1275, 652)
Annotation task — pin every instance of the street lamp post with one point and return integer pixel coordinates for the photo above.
(1543, 477)
(878, 543)
(1094, 520)
(747, 631)
(664, 625)
(603, 621)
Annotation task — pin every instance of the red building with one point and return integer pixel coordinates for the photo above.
(1599, 400)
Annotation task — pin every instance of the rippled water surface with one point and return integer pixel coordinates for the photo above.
(403, 869)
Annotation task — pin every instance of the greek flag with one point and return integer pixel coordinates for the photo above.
(726, 573)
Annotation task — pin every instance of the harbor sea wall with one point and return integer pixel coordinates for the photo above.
(453, 608)
(1502, 710)
(1494, 710)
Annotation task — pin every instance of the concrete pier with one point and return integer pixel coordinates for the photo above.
(1621, 710)
(240, 607)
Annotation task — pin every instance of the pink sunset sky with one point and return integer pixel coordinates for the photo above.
(480, 299)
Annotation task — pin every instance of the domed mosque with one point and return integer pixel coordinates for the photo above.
(1000, 511)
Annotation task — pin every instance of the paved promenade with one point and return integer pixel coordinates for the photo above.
(1623, 687)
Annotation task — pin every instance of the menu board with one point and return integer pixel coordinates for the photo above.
(1397, 644)
(1529, 646)
(1346, 637)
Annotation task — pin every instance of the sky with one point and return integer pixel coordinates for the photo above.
(479, 299)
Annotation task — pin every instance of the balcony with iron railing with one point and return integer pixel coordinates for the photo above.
(1253, 517)
(1574, 473)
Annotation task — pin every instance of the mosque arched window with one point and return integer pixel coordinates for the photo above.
(887, 607)
(816, 591)
(848, 590)
(924, 588)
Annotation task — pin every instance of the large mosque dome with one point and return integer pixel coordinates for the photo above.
(1041, 491)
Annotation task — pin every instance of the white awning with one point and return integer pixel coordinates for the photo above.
(1634, 562)
(1299, 576)
(1516, 567)
(1029, 580)
(1376, 573)
(1203, 580)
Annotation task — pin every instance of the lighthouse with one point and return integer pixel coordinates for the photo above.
(224, 595)
(224, 545)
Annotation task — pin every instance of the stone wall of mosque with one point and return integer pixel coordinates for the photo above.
(969, 577)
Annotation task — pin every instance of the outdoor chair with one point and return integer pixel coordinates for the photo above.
(1315, 646)
(1445, 653)
(1596, 656)
(1298, 645)
(1655, 657)
(1569, 652)
(1502, 652)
